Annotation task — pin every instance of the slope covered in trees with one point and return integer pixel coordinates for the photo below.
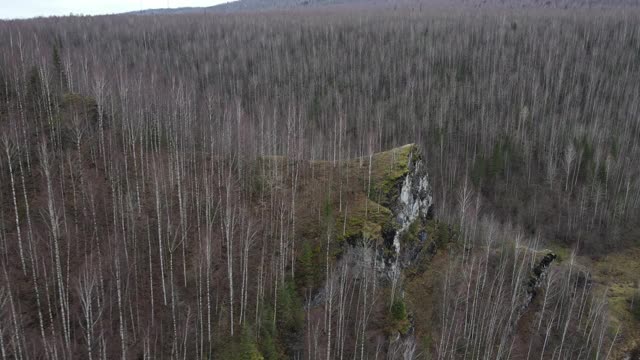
(235, 186)
(426, 5)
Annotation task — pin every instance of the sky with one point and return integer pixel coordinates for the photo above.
(12, 9)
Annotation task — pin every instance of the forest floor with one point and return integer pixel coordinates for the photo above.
(617, 276)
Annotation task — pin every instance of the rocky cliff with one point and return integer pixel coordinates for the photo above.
(399, 202)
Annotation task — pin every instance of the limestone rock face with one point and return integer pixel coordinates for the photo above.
(395, 209)
(384, 226)
(414, 204)
(415, 197)
(408, 195)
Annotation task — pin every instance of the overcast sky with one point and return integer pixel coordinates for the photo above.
(10, 9)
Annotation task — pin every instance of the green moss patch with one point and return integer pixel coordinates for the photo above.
(619, 275)
(388, 171)
(364, 219)
(563, 253)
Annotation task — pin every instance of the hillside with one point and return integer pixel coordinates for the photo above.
(336, 184)
(279, 5)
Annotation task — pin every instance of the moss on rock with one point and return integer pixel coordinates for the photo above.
(365, 219)
(388, 171)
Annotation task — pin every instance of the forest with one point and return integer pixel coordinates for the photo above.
(374, 183)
